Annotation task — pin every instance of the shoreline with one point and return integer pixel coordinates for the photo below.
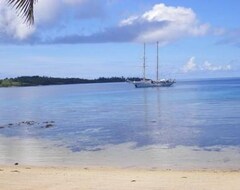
(108, 178)
(39, 152)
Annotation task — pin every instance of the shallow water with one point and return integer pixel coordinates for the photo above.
(88, 117)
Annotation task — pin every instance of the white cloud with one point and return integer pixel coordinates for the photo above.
(192, 66)
(179, 22)
(210, 67)
(128, 21)
(47, 11)
(11, 25)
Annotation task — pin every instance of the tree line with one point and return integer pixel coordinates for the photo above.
(42, 80)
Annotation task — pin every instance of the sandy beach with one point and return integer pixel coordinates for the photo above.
(62, 178)
(45, 166)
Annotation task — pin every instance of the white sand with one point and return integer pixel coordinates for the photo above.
(49, 178)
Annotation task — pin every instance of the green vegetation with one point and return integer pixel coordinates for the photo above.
(8, 83)
(37, 80)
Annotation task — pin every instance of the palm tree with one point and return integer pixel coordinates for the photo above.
(24, 8)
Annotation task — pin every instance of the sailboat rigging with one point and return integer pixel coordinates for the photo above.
(144, 83)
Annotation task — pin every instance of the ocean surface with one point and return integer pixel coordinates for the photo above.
(204, 114)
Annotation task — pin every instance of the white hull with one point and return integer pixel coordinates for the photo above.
(151, 84)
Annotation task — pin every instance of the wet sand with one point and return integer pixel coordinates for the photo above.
(62, 178)
(37, 152)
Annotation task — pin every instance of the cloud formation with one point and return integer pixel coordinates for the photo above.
(162, 23)
(192, 66)
(180, 21)
(11, 26)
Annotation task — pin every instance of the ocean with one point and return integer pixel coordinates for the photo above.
(196, 121)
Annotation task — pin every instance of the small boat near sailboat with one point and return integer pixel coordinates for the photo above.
(145, 83)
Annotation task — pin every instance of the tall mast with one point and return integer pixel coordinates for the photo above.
(144, 62)
(157, 61)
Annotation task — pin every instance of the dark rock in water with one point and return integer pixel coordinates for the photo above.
(26, 123)
(47, 122)
(16, 164)
(29, 122)
(49, 125)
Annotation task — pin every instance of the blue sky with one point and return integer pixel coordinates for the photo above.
(93, 38)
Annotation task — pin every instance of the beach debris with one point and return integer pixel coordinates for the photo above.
(153, 169)
(15, 171)
(16, 164)
(1, 170)
(133, 180)
(184, 177)
(235, 170)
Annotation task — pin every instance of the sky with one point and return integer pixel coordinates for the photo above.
(95, 38)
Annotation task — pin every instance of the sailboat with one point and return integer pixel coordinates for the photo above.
(145, 83)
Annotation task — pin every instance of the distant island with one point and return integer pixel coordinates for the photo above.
(42, 80)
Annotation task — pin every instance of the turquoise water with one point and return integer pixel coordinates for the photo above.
(200, 113)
